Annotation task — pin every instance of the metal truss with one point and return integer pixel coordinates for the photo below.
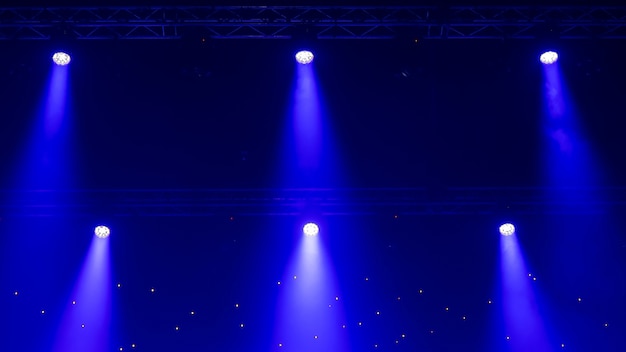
(290, 202)
(322, 22)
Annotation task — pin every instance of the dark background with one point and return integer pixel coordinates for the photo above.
(212, 114)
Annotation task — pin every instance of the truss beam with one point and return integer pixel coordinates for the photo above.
(280, 202)
(322, 22)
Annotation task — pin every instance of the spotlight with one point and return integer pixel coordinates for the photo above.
(102, 231)
(304, 57)
(311, 229)
(549, 57)
(507, 229)
(61, 58)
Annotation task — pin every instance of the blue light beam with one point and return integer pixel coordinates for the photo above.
(86, 323)
(56, 101)
(310, 313)
(307, 120)
(523, 323)
(46, 161)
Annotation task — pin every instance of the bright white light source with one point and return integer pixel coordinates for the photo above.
(304, 57)
(311, 229)
(61, 58)
(549, 57)
(102, 231)
(507, 229)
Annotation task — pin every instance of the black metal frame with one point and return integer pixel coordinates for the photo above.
(322, 22)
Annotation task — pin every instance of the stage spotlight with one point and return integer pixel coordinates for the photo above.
(102, 231)
(549, 57)
(61, 58)
(507, 229)
(304, 57)
(311, 229)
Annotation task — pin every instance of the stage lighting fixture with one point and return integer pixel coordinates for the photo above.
(61, 58)
(304, 57)
(507, 229)
(102, 231)
(549, 57)
(311, 229)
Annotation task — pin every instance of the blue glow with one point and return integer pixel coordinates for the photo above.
(309, 314)
(56, 101)
(86, 323)
(46, 160)
(523, 322)
(568, 158)
(307, 120)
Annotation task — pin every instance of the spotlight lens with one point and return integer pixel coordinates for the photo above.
(102, 231)
(507, 229)
(61, 58)
(304, 57)
(311, 229)
(549, 57)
